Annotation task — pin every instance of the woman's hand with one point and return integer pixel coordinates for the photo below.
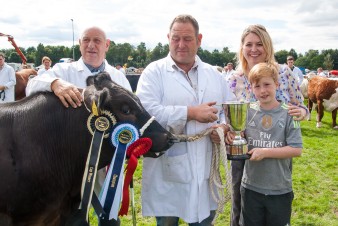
(299, 113)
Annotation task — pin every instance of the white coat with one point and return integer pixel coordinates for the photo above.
(298, 75)
(75, 73)
(176, 184)
(43, 70)
(8, 79)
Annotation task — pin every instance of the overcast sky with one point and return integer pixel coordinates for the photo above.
(297, 24)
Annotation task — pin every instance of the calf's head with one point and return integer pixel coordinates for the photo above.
(126, 107)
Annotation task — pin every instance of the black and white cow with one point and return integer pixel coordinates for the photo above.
(44, 146)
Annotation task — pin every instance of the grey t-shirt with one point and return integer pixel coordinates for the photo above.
(270, 129)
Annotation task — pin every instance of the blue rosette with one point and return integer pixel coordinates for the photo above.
(124, 133)
(121, 137)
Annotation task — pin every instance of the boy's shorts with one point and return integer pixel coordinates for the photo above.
(259, 209)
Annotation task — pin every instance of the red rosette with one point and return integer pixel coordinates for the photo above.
(135, 150)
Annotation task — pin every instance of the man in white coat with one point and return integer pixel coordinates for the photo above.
(229, 72)
(66, 78)
(295, 70)
(7, 81)
(184, 94)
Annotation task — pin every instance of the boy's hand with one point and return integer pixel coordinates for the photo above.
(257, 154)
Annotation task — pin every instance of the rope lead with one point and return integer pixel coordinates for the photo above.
(220, 191)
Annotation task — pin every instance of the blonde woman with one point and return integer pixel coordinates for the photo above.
(47, 63)
(256, 47)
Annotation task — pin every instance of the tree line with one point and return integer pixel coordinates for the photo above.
(140, 56)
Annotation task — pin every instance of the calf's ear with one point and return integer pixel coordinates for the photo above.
(99, 79)
(90, 80)
(94, 99)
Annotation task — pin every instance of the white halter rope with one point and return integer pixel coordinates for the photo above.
(145, 126)
(221, 191)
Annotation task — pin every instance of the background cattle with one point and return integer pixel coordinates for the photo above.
(324, 93)
(44, 146)
(22, 77)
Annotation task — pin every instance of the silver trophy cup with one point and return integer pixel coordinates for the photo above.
(236, 113)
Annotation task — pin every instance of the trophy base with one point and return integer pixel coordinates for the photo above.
(238, 157)
(237, 151)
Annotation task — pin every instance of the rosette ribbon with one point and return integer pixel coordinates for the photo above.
(110, 198)
(102, 125)
(135, 150)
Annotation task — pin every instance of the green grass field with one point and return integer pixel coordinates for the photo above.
(315, 181)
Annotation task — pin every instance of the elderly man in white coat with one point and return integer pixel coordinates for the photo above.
(181, 91)
(64, 79)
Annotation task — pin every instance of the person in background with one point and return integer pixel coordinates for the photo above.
(256, 47)
(295, 70)
(320, 72)
(47, 63)
(120, 68)
(225, 70)
(66, 78)
(7, 81)
(176, 184)
(275, 138)
(229, 72)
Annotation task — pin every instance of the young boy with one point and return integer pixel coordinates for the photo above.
(273, 139)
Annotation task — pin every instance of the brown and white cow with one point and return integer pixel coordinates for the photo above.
(22, 78)
(323, 92)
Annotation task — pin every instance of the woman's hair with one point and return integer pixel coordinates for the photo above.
(262, 70)
(265, 38)
(46, 58)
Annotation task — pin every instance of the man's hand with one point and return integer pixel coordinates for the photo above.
(67, 93)
(229, 137)
(204, 113)
(214, 135)
(2, 87)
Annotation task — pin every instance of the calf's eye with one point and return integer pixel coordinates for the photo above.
(125, 109)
